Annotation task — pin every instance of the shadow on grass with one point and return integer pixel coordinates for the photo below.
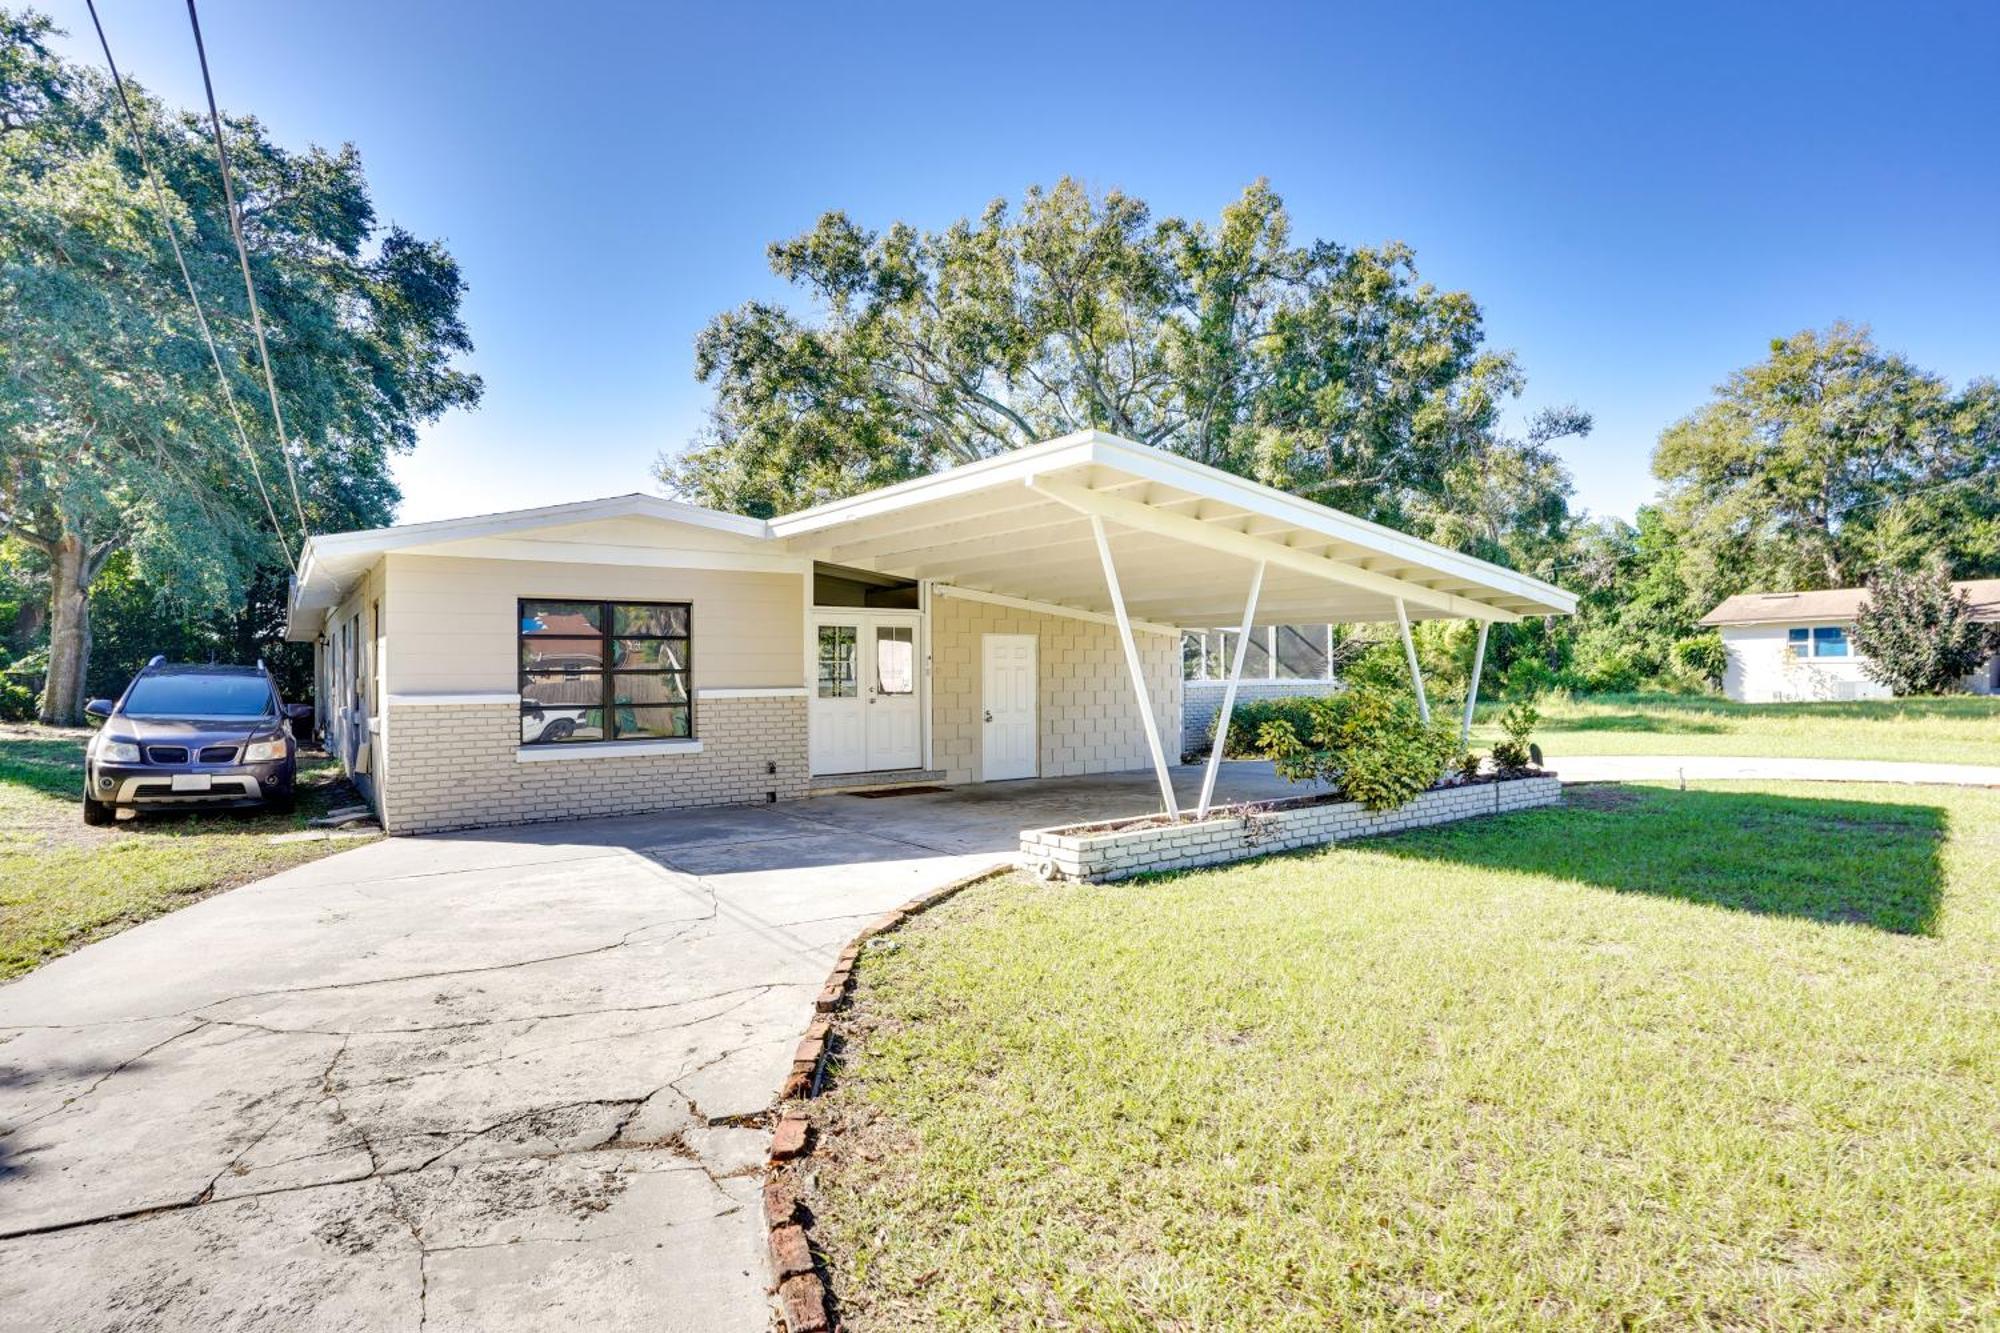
(1658, 724)
(1859, 862)
(53, 767)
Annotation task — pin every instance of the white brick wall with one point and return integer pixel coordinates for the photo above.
(456, 767)
(1231, 836)
(1087, 714)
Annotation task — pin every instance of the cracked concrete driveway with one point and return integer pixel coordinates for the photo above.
(488, 1081)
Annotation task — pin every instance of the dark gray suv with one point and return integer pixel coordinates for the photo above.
(186, 736)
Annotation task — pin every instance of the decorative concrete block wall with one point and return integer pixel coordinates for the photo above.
(457, 766)
(1202, 699)
(1088, 716)
(1236, 833)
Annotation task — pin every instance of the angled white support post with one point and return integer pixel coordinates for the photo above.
(1229, 694)
(1137, 668)
(1472, 690)
(1410, 651)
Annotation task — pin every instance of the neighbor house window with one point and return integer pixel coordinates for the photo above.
(605, 671)
(1817, 641)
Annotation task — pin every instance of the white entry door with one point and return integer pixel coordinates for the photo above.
(1008, 731)
(867, 709)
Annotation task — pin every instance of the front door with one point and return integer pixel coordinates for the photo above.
(1007, 694)
(867, 711)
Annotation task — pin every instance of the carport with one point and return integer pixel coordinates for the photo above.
(1104, 528)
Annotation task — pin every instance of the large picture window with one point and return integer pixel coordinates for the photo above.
(605, 671)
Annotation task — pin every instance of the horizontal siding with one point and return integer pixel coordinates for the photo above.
(452, 625)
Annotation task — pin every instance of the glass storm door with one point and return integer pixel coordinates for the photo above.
(867, 711)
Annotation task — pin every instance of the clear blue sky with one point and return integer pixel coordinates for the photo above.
(1639, 196)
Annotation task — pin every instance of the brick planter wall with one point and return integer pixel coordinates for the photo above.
(455, 767)
(1234, 833)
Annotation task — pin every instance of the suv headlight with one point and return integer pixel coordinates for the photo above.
(260, 752)
(117, 752)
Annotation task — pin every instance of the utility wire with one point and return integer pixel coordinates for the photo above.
(243, 257)
(187, 278)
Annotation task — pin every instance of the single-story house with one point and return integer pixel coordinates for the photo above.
(1787, 647)
(1016, 617)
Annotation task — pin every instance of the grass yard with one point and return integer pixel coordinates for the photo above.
(1963, 729)
(63, 885)
(1722, 1058)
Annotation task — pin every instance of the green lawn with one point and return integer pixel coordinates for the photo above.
(1721, 1058)
(63, 885)
(1963, 729)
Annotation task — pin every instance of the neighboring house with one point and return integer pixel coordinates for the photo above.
(1000, 620)
(1795, 646)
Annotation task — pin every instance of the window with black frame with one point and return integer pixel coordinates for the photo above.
(605, 671)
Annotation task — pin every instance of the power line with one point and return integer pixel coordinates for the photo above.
(243, 257)
(187, 278)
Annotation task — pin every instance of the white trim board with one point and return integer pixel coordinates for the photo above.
(440, 700)
(751, 692)
(536, 754)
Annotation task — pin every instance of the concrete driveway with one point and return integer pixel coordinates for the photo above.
(474, 1082)
(508, 1080)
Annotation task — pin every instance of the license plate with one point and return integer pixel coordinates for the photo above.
(192, 781)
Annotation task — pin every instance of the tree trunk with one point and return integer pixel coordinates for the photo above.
(69, 631)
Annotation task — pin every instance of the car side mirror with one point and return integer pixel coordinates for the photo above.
(97, 711)
(298, 712)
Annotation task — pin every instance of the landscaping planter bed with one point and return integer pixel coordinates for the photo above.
(1117, 850)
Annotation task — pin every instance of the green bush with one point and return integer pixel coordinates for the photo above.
(1370, 745)
(1527, 678)
(1247, 719)
(1701, 655)
(1516, 754)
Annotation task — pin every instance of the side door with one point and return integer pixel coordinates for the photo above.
(1008, 728)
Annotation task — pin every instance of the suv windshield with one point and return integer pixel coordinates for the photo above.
(199, 696)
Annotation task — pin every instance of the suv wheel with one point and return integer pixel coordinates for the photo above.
(559, 730)
(283, 805)
(96, 812)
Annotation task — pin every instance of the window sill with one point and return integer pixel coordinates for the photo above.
(536, 754)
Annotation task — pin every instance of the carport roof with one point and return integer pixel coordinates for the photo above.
(1184, 537)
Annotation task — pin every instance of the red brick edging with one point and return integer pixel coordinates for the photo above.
(802, 1292)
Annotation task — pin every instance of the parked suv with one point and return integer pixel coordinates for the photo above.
(183, 736)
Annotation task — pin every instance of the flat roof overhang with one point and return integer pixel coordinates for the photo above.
(1184, 537)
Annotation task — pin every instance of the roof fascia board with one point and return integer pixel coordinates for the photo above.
(605, 553)
(999, 470)
(1256, 498)
(1146, 519)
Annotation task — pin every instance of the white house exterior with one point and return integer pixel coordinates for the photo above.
(1018, 617)
(1799, 646)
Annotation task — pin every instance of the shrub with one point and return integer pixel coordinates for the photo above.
(1527, 678)
(1609, 668)
(1247, 719)
(1516, 754)
(1701, 655)
(1370, 745)
(1469, 765)
(1918, 635)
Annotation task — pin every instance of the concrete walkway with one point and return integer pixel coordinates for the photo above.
(494, 1081)
(1697, 768)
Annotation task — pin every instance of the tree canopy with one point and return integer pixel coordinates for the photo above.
(1330, 371)
(117, 434)
(1829, 460)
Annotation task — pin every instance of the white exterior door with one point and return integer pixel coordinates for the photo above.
(867, 705)
(895, 717)
(1007, 690)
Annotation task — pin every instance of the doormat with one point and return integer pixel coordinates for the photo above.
(894, 791)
